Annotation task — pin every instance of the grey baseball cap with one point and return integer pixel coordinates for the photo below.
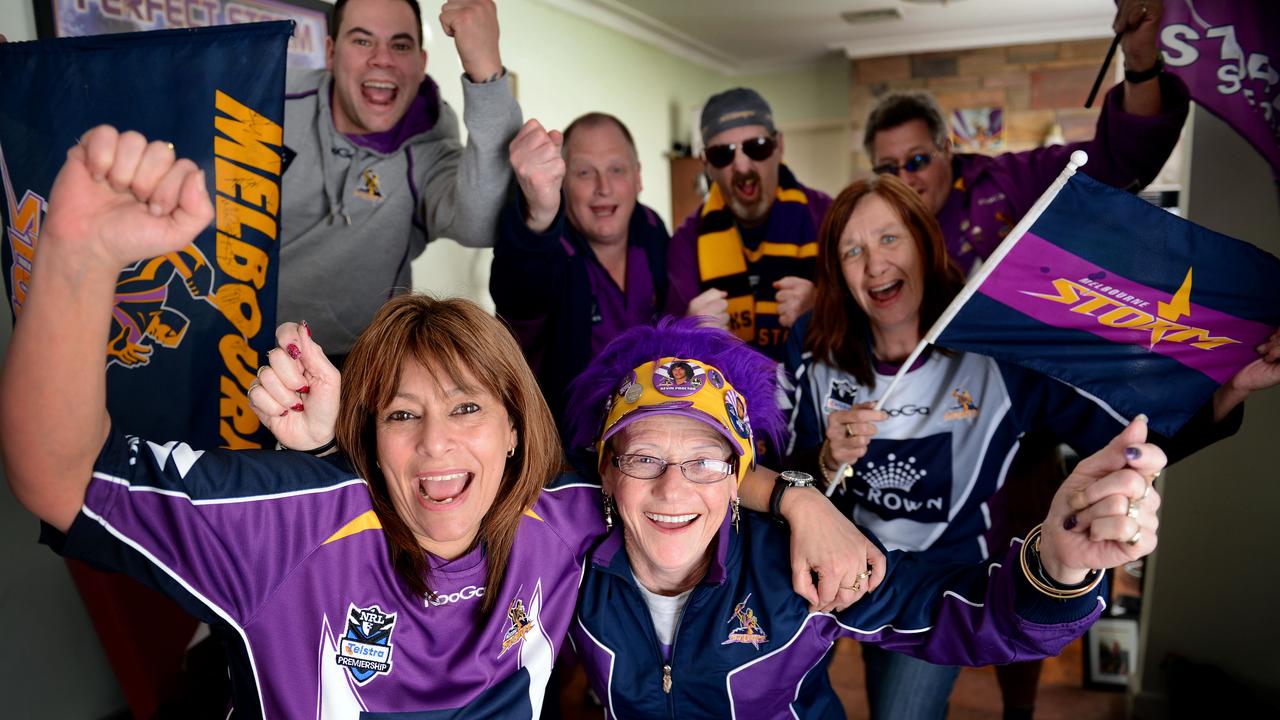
(735, 108)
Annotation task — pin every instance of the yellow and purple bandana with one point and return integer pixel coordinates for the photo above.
(687, 388)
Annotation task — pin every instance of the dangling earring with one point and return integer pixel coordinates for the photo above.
(734, 503)
(608, 509)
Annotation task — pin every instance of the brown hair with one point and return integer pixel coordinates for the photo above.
(839, 331)
(456, 337)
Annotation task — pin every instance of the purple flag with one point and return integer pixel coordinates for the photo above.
(1226, 51)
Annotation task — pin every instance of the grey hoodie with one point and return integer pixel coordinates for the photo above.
(357, 210)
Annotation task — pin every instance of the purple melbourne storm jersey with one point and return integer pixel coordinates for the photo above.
(283, 555)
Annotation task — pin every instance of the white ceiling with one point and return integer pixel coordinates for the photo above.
(745, 36)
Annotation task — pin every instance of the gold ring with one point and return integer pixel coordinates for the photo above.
(1145, 493)
(864, 575)
(1132, 512)
(856, 586)
(1137, 537)
(848, 430)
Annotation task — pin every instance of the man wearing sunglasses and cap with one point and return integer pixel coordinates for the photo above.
(750, 247)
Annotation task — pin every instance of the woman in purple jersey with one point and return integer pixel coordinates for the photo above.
(426, 569)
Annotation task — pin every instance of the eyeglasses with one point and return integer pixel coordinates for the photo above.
(646, 467)
(915, 163)
(758, 149)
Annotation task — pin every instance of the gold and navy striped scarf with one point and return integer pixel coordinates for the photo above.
(789, 248)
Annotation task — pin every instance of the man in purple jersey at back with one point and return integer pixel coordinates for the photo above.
(578, 258)
(749, 248)
(978, 199)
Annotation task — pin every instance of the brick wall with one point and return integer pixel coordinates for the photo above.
(1037, 85)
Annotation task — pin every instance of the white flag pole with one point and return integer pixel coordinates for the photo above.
(1078, 159)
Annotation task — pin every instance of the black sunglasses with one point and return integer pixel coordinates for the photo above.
(758, 149)
(915, 163)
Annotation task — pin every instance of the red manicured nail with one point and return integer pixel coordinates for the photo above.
(297, 407)
(304, 389)
(293, 351)
(286, 412)
(306, 327)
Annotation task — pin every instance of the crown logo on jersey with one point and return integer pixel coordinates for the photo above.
(892, 475)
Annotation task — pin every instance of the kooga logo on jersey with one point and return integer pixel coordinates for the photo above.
(466, 593)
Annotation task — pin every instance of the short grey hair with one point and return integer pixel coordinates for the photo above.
(900, 108)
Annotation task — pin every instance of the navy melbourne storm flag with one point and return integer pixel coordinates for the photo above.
(189, 329)
(1144, 310)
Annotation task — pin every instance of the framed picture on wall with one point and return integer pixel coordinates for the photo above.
(1111, 653)
(69, 18)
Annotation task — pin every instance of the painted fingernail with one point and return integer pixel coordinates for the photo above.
(306, 327)
(1069, 523)
(293, 351)
(1132, 453)
(304, 390)
(297, 407)
(282, 414)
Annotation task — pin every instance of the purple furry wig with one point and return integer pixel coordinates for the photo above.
(752, 374)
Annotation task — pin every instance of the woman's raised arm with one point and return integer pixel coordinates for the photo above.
(118, 199)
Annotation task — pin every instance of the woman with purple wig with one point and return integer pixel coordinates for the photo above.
(686, 606)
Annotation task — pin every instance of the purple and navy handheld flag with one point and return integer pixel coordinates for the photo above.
(1144, 310)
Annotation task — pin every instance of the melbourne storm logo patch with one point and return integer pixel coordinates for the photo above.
(365, 648)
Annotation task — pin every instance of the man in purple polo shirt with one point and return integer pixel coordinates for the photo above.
(578, 258)
(977, 200)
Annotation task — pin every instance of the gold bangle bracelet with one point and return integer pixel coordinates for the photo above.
(1032, 541)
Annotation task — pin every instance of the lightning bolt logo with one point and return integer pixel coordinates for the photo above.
(1178, 306)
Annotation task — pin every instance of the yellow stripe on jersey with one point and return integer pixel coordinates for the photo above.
(368, 520)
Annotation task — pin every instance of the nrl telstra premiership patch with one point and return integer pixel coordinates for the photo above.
(365, 648)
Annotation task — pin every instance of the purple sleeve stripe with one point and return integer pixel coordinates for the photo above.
(182, 582)
(819, 662)
(413, 189)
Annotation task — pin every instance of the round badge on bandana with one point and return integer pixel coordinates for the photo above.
(716, 379)
(736, 408)
(679, 378)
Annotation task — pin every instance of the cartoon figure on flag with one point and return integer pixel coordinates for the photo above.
(143, 315)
